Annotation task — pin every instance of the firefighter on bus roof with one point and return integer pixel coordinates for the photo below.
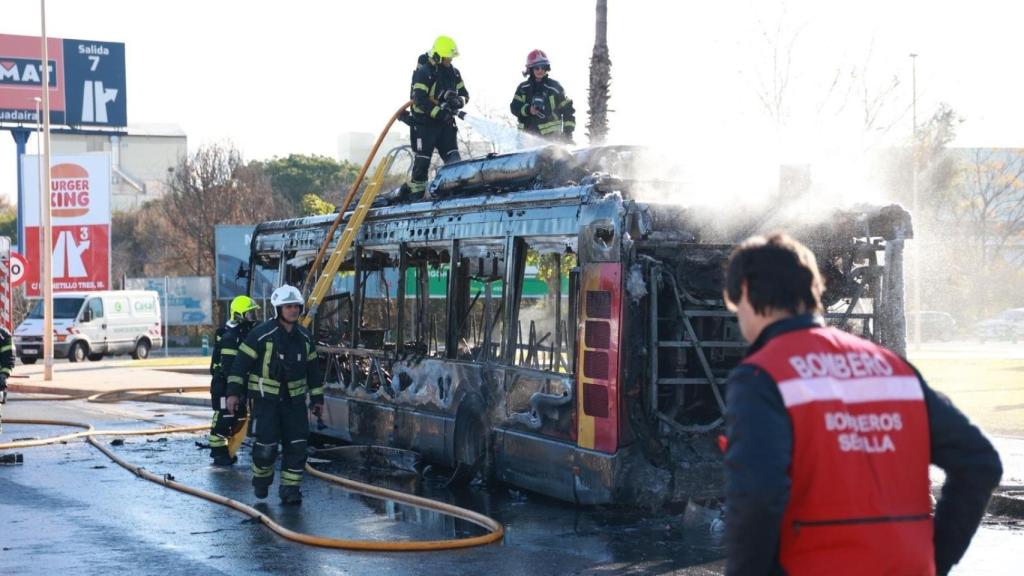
(225, 348)
(540, 103)
(438, 94)
(279, 362)
(830, 437)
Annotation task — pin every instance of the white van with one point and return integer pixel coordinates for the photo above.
(93, 325)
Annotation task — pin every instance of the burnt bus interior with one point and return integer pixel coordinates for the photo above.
(470, 303)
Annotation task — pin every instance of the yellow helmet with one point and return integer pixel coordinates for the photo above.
(444, 47)
(240, 306)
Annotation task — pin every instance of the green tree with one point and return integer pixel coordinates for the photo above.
(296, 175)
(313, 205)
(9, 220)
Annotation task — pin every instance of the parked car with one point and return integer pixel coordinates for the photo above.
(94, 324)
(1007, 325)
(934, 325)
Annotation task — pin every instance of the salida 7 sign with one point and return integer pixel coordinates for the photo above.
(80, 214)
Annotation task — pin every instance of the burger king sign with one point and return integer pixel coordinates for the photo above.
(80, 212)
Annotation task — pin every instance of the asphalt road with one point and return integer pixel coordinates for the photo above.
(68, 509)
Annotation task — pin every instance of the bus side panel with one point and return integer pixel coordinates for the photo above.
(597, 409)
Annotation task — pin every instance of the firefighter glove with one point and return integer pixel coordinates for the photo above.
(317, 408)
(453, 100)
(231, 403)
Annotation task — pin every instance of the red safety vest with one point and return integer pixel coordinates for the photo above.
(859, 500)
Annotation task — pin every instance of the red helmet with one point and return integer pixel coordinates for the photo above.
(537, 58)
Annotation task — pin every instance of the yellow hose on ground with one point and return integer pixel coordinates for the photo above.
(495, 534)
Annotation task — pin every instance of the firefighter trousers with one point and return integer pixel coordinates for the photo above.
(276, 422)
(223, 424)
(425, 138)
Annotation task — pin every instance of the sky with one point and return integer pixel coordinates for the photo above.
(276, 78)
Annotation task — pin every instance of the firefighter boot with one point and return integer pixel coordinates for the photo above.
(260, 489)
(413, 192)
(221, 457)
(290, 494)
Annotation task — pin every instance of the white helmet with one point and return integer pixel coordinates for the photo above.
(286, 295)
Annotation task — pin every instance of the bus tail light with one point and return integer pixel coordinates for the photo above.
(597, 421)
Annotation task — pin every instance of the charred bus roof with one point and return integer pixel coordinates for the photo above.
(505, 185)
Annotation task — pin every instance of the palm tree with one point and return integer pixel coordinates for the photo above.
(600, 78)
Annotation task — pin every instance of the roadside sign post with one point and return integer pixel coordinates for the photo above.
(167, 323)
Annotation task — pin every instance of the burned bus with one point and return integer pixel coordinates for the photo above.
(535, 322)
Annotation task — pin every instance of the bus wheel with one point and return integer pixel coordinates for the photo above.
(472, 436)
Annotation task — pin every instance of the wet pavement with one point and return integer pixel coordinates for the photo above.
(68, 509)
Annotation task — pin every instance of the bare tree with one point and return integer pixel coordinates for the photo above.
(993, 201)
(600, 79)
(488, 131)
(773, 87)
(847, 88)
(213, 186)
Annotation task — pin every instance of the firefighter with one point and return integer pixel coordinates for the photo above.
(829, 438)
(6, 358)
(6, 366)
(438, 93)
(278, 361)
(540, 103)
(225, 348)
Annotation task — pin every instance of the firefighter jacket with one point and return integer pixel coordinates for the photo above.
(829, 441)
(276, 364)
(6, 352)
(559, 114)
(430, 82)
(226, 341)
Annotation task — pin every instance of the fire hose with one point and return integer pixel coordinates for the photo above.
(495, 529)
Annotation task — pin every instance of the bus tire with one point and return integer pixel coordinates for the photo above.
(472, 441)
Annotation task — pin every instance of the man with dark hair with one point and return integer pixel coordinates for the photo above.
(829, 438)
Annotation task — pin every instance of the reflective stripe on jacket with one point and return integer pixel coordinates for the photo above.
(561, 115)
(275, 364)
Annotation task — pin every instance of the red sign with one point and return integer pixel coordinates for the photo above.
(21, 77)
(18, 266)
(81, 258)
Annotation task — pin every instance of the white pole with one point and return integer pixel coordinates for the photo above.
(918, 253)
(46, 249)
(167, 320)
(39, 152)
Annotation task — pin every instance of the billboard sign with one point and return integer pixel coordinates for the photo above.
(232, 253)
(80, 217)
(189, 298)
(87, 81)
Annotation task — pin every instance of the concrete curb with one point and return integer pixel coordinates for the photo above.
(1007, 502)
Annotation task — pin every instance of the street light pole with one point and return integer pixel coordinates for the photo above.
(918, 253)
(39, 166)
(46, 248)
